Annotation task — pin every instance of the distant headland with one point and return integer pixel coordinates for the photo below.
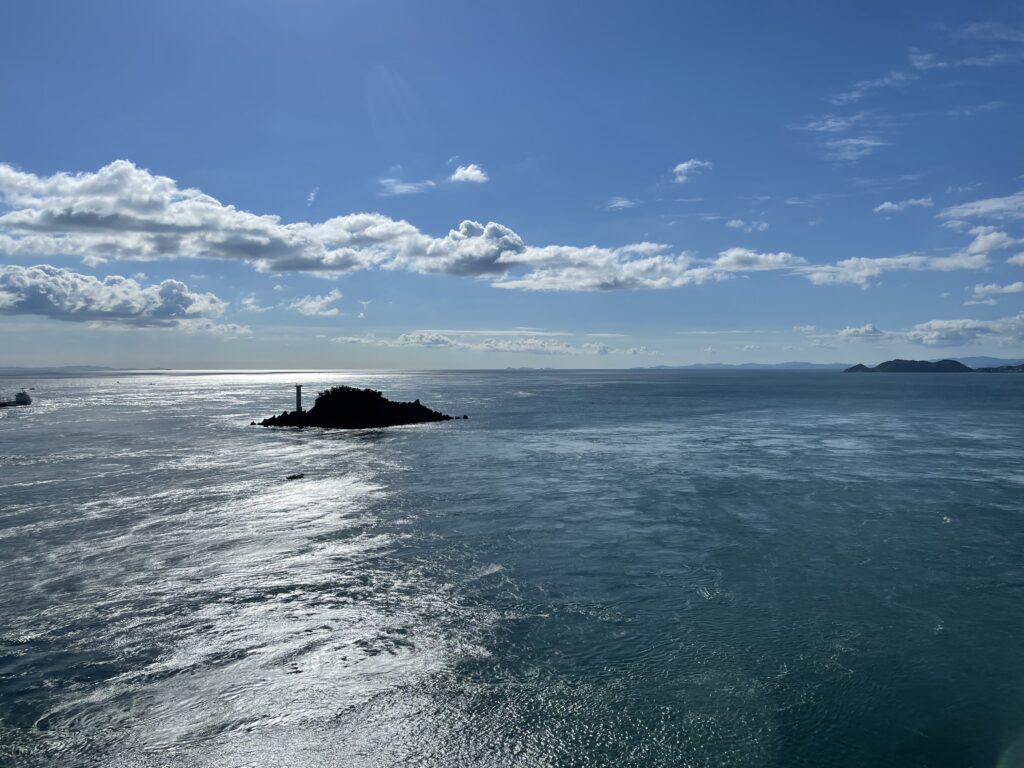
(931, 366)
(351, 408)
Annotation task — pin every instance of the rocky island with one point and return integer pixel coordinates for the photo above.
(352, 408)
(911, 367)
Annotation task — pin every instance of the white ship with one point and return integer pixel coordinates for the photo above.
(21, 398)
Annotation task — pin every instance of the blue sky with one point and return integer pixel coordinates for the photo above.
(405, 184)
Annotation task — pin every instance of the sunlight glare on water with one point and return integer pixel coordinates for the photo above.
(598, 568)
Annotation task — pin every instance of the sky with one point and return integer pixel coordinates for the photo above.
(395, 184)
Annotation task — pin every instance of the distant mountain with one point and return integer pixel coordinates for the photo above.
(1001, 369)
(989, 362)
(913, 366)
(789, 366)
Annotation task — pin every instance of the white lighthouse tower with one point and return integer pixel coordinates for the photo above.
(298, 398)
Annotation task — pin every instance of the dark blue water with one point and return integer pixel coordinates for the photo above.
(598, 568)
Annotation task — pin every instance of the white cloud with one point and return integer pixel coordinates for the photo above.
(123, 212)
(746, 260)
(683, 171)
(619, 204)
(391, 187)
(866, 332)
(984, 291)
(71, 296)
(251, 304)
(593, 268)
(472, 341)
(469, 173)
(963, 332)
(747, 226)
(852, 149)
(987, 239)
(311, 197)
(902, 205)
(861, 270)
(1017, 259)
(805, 328)
(999, 208)
(319, 306)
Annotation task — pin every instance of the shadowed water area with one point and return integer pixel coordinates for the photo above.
(598, 568)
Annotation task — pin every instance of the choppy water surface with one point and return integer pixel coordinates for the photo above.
(598, 568)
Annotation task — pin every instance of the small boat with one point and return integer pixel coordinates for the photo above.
(21, 398)
(297, 476)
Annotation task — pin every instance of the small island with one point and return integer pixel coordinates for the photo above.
(912, 366)
(352, 408)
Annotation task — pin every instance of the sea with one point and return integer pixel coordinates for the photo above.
(597, 568)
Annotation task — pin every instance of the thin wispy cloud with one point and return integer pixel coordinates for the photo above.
(516, 344)
(998, 208)
(852, 149)
(860, 89)
(620, 204)
(391, 187)
(747, 226)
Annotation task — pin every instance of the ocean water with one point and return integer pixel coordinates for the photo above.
(650, 568)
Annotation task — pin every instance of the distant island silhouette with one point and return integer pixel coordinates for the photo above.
(352, 408)
(912, 366)
(931, 366)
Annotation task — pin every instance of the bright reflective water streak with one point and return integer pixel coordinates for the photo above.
(598, 568)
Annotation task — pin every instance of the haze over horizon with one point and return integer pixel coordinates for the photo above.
(391, 184)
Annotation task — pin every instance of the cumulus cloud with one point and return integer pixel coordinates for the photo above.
(866, 332)
(512, 342)
(998, 208)
(902, 205)
(683, 171)
(319, 306)
(963, 332)
(469, 173)
(124, 212)
(1016, 259)
(71, 296)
